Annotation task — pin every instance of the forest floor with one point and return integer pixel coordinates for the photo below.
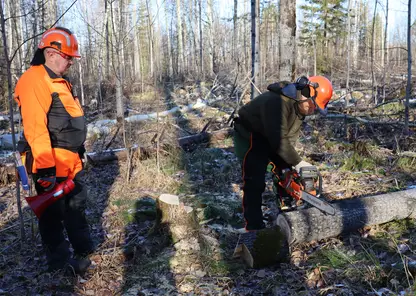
(354, 158)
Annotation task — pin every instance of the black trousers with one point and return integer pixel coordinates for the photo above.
(254, 168)
(68, 213)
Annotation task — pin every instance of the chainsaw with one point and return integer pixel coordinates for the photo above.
(305, 186)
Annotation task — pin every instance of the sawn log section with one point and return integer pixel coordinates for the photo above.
(311, 224)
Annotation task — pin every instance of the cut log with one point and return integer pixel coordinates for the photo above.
(103, 127)
(311, 224)
(189, 143)
(174, 219)
(262, 248)
(119, 154)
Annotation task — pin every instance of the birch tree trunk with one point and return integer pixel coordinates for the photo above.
(181, 61)
(347, 97)
(235, 31)
(373, 74)
(117, 63)
(287, 40)
(151, 38)
(107, 40)
(355, 38)
(201, 57)
(409, 67)
(255, 44)
(385, 51)
(169, 53)
(210, 15)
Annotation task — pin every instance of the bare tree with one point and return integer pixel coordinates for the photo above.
(348, 52)
(235, 29)
(385, 50)
(409, 67)
(372, 51)
(210, 16)
(287, 39)
(181, 59)
(201, 57)
(255, 47)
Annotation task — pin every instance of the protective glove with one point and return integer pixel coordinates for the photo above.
(47, 182)
(302, 164)
(81, 152)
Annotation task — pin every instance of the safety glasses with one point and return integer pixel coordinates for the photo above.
(66, 57)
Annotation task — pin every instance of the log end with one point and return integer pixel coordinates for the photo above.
(263, 248)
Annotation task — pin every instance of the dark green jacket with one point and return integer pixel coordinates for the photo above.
(277, 118)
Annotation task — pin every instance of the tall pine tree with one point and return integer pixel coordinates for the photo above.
(324, 22)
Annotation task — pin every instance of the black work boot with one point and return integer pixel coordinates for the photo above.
(255, 226)
(58, 256)
(78, 265)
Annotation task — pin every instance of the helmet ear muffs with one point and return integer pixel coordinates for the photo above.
(306, 92)
(301, 82)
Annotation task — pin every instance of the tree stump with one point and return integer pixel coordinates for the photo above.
(310, 224)
(175, 219)
(262, 248)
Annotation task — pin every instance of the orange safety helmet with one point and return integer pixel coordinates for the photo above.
(320, 91)
(60, 39)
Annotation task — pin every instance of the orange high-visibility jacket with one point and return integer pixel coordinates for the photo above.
(53, 121)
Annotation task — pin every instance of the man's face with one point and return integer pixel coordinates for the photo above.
(60, 61)
(306, 106)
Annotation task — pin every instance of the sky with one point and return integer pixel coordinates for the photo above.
(397, 11)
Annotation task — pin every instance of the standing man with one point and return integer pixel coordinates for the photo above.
(267, 129)
(55, 130)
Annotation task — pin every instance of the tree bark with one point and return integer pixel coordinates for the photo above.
(210, 16)
(385, 51)
(348, 95)
(174, 219)
(201, 59)
(181, 60)
(255, 47)
(373, 74)
(409, 68)
(235, 31)
(287, 40)
(311, 224)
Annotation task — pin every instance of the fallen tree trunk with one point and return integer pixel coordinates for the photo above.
(190, 142)
(102, 127)
(119, 154)
(311, 224)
